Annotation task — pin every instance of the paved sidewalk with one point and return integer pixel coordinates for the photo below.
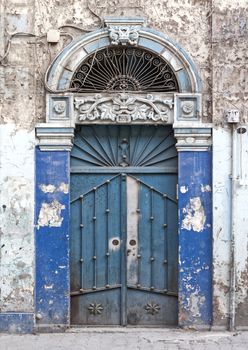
(125, 339)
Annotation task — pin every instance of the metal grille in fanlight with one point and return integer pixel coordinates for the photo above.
(124, 69)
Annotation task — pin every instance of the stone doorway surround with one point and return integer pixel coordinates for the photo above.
(55, 140)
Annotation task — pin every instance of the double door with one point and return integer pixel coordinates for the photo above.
(124, 227)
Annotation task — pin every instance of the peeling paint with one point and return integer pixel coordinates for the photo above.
(63, 187)
(48, 286)
(47, 188)
(206, 188)
(114, 244)
(50, 214)
(184, 189)
(196, 301)
(194, 215)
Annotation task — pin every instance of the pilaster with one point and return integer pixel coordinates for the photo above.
(52, 225)
(195, 216)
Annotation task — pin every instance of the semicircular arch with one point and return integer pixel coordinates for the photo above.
(60, 73)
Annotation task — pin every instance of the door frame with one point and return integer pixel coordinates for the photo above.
(52, 208)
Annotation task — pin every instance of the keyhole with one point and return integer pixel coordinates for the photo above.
(115, 242)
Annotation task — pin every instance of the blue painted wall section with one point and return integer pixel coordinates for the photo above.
(195, 238)
(52, 237)
(16, 322)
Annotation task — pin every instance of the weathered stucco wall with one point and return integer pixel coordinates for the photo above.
(16, 218)
(215, 35)
(221, 224)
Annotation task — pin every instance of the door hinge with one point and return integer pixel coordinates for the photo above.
(177, 191)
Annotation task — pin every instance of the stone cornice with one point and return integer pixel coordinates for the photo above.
(193, 138)
(54, 137)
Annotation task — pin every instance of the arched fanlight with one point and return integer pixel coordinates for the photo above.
(124, 69)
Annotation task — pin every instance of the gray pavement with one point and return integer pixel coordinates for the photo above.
(133, 339)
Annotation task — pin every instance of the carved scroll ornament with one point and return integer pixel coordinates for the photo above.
(122, 108)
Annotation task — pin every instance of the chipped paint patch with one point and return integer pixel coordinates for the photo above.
(47, 188)
(184, 189)
(206, 188)
(114, 244)
(195, 303)
(132, 229)
(63, 187)
(50, 214)
(194, 215)
(50, 286)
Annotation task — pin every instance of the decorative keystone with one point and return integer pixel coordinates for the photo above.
(123, 31)
(123, 35)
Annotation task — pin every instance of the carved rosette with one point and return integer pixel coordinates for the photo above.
(95, 309)
(152, 308)
(123, 108)
(58, 108)
(188, 107)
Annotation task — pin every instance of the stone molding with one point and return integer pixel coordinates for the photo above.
(55, 137)
(193, 138)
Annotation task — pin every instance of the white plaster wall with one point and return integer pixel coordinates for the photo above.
(16, 218)
(241, 228)
(221, 223)
(222, 162)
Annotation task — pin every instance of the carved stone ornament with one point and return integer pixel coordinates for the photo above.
(188, 107)
(59, 107)
(122, 108)
(123, 35)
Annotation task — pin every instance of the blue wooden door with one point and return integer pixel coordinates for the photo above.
(124, 226)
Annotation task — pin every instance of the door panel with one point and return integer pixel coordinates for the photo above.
(124, 227)
(96, 253)
(151, 309)
(149, 289)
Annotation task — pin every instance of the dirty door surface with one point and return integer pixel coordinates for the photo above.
(124, 226)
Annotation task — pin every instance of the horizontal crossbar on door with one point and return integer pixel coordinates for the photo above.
(140, 170)
(153, 290)
(91, 290)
